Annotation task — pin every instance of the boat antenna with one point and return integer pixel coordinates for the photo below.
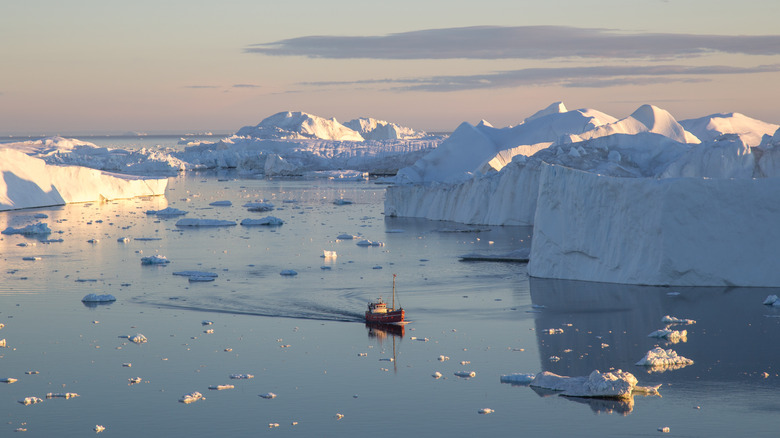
(399, 301)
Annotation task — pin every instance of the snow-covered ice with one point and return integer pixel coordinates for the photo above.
(166, 212)
(138, 338)
(668, 319)
(518, 378)
(29, 230)
(660, 359)
(268, 221)
(614, 384)
(191, 397)
(155, 260)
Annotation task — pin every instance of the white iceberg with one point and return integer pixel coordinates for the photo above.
(673, 336)
(661, 360)
(667, 319)
(191, 398)
(138, 338)
(29, 230)
(518, 378)
(30, 401)
(167, 212)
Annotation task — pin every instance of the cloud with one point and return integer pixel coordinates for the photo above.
(521, 42)
(582, 77)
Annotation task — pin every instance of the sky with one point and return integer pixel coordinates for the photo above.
(105, 66)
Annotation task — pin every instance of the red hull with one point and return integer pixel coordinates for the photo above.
(393, 317)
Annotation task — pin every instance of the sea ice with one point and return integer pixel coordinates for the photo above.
(268, 220)
(8, 380)
(191, 398)
(288, 272)
(95, 298)
(673, 336)
(466, 374)
(660, 360)
(259, 206)
(192, 222)
(154, 260)
(221, 204)
(518, 378)
(221, 387)
(342, 202)
(98, 428)
(30, 401)
(242, 376)
(169, 212)
(486, 411)
(29, 230)
(65, 395)
(674, 320)
(436, 375)
(196, 274)
(138, 338)
(615, 384)
(268, 395)
(772, 300)
(345, 237)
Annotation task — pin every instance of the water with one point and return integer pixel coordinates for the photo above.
(301, 337)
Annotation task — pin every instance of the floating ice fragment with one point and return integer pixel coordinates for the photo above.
(615, 384)
(40, 216)
(95, 298)
(772, 300)
(134, 380)
(362, 354)
(154, 260)
(673, 336)
(486, 411)
(345, 237)
(207, 322)
(3, 343)
(272, 425)
(673, 320)
(93, 240)
(554, 331)
(241, 376)
(465, 362)
(99, 428)
(442, 358)
(342, 202)
(127, 365)
(30, 401)
(170, 211)
(377, 267)
(661, 360)
(191, 398)
(268, 220)
(30, 372)
(466, 374)
(192, 222)
(647, 390)
(209, 331)
(288, 272)
(664, 429)
(339, 416)
(367, 242)
(123, 239)
(221, 204)
(31, 259)
(518, 378)
(329, 254)
(268, 395)
(436, 375)
(259, 206)
(39, 228)
(196, 279)
(65, 395)
(138, 338)
(8, 380)
(221, 387)
(554, 358)
(196, 274)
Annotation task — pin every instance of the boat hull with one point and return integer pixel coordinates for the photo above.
(393, 317)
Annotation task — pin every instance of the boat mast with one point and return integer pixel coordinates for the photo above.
(393, 291)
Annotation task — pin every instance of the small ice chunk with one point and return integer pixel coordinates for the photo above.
(554, 358)
(154, 260)
(30, 401)
(342, 202)
(437, 375)
(268, 220)
(196, 274)
(673, 336)
(221, 387)
(241, 376)
(138, 338)
(99, 428)
(268, 395)
(339, 416)
(170, 211)
(93, 240)
(95, 298)
(123, 239)
(259, 206)
(39, 228)
(554, 331)
(65, 395)
(664, 429)
(615, 384)
(664, 359)
(127, 364)
(771, 300)
(191, 398)
(486, 411)
(8, 380)
(197, 279)
(345, 237)
(3, 343)
(518, 378)
(673, 320)
(31, 258)
(288, 272)
(221, 204)
(272, 425)
(329, 254)
(466, 374)
(442, 358)
(134, 380)
(193, 222)
(207, 322)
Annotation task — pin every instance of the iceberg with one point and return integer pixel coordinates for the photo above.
(616, 384)
(27, 182)
(268, 220)
(155, 260)
(29, 230)
(659, 359)
(95, 298)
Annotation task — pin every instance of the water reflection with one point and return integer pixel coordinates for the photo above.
(606, 326)
(381, 331)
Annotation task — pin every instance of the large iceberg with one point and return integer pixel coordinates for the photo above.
(638, 200)
(27, 182)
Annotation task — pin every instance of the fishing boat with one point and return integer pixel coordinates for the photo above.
(379, 313)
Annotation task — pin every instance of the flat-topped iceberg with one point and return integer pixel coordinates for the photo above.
(27, 182)
(268, 220)
(616, 384)
(95, 298)
(29, 230)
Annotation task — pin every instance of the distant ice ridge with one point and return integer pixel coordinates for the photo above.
(284, 144)
(27, 182)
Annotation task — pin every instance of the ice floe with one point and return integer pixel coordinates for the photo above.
(95, 298)
(268, 395)
(659, 359)
(193, 222)
(465, 374)
(196, 274)
(289, 272)
(30, 401)
(65, 395)
(29, 230)
(673, 336)
(486, 411)
(221, 387)
(155, 260)
(8, 380)
(259, 206)
(268, 220)
(518, 378)
(667, 319)
(614, 384)
(98, 428)
(138, 338)
(166, 212)
(221, 204)
(191, 397)
(242, 376)
(772, 300)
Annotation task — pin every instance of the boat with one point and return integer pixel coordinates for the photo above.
(379, 313)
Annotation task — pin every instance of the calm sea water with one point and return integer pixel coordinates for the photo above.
(302, 339)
